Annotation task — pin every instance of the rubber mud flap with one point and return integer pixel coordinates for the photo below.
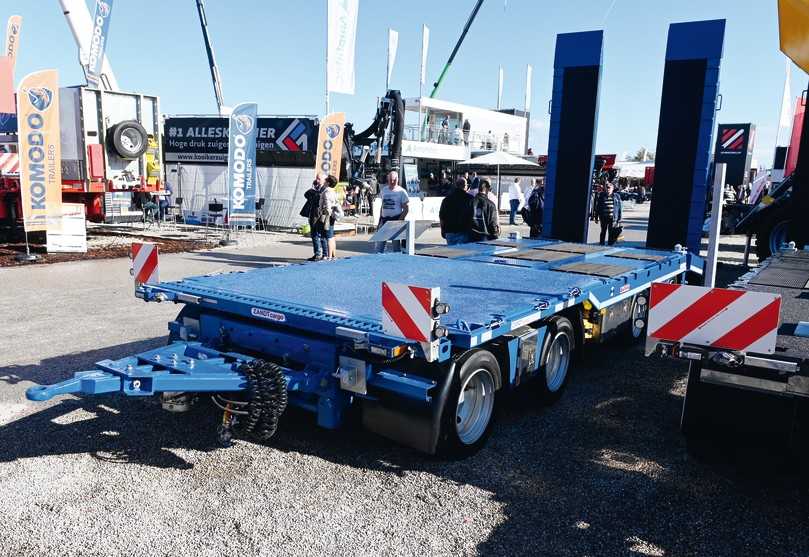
(411, 423)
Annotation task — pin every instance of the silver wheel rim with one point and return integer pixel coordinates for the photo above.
(778, 236)
(557, 362)
(638, 312)
(131, 140)
(475, 405)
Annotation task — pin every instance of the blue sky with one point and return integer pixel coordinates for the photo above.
(272, 52)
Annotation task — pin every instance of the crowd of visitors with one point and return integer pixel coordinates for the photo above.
(468, 212)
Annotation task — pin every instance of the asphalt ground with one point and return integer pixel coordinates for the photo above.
(604, 471)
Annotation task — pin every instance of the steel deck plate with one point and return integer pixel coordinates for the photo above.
(352, 287)
(576, 248)
(784, 277)
(447, 252)
(638, 255)
(503, 243)
(544, 255)
(594, 269)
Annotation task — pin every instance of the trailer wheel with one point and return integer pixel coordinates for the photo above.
(468, 416)
(557, 353)
(128, 139)
(771, 235)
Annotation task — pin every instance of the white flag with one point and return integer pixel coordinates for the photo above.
(393, 44)
(500, 88)
(341, 42)
(785, 121)
(529, 72)
(425, 45)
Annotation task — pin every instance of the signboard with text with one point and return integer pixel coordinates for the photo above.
(282, 141)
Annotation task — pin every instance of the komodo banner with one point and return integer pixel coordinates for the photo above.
(13, 38)
(205, 139)
(242, 165)
(40, 157)
(330, 144)
(98, 41)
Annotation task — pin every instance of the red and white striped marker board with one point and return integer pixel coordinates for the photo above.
(9, 163)
(407, 311)
(145, 267)
(714, 317)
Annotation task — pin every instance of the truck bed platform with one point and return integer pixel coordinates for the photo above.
(491, 287)
(787, 275)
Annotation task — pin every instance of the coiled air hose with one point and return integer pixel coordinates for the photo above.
(266, 400)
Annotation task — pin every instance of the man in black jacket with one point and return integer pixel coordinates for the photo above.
(453, 214)
(483, 224)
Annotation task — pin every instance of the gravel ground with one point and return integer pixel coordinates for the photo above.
(603, 472)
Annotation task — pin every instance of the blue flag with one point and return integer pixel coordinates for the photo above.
(242, 165)
(98, 42)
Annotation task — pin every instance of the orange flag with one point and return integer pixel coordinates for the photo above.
(40, 150)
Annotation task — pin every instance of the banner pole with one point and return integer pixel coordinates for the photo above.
(28, 257)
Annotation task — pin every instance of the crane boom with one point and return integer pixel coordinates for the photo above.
(81, 25)
(217, 80)
(457, 47)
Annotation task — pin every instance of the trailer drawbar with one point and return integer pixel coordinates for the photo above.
(420, 343)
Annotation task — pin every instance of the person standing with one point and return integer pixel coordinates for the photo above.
(609, 211)
(330, 211)
(482, 218)
(316, 229)
(534, 209)
(453, 214)
(466, 129)
(394, 207)
(515, 198)
(474, 185)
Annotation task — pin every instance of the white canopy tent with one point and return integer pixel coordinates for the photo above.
(498, 159)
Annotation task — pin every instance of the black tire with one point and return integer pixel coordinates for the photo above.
(459, 437)
(129, 139)
(552, 381)
(764, 235)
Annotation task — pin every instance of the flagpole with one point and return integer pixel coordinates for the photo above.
(387, 66)
(781, 111)
(327, 60)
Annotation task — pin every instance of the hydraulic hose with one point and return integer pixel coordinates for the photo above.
(266, 398)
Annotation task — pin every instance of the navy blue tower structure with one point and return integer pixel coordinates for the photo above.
(571, 141)
(684, 137)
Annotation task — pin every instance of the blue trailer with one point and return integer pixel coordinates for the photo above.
(312, 336)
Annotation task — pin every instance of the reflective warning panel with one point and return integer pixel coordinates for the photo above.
(714, 317)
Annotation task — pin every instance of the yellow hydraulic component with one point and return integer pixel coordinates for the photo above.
(793, 24)
(152, 156)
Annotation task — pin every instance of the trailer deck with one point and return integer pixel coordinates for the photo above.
(313, 334)
(491, 288)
